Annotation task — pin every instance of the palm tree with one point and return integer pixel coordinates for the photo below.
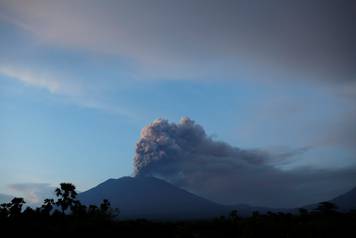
(66, 196)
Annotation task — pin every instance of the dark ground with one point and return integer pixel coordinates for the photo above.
(270, 225)
(67, 217)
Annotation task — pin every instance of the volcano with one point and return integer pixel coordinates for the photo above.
(149, 197)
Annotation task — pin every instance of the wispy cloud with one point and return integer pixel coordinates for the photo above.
(71, 90)
(107, 108)
(33, 193)
(28, 77)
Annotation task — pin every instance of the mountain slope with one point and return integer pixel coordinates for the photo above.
(148, 197)
(152, 198)
(346, 201)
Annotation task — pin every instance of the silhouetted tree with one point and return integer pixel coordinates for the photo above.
(66, 196)
(233, 216)
(303, 211)
(4, 210)
(106, 210)
(256, 214)
(79, 209)
(15, 206)
(93, 210)
(105, 206)
(271, 214)
(29, 212)
(326, 208)
(47, 206)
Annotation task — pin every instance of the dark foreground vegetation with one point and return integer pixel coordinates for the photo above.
(67, 216)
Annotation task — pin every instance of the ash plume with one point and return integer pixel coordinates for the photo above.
(183, 154)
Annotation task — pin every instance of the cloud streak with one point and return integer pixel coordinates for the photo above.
(72, 90)
(30, 78)
(183, 154)
(165, 36)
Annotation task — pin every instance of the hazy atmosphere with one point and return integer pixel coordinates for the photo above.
(237, 101)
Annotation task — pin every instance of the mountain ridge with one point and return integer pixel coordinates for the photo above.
(346, 201)
(150, 197)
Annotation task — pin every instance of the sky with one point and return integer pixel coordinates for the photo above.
(80, 79)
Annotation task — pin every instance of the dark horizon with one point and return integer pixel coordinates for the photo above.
(68, 215)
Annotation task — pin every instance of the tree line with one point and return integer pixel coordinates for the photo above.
(66, 204)
(67, 215)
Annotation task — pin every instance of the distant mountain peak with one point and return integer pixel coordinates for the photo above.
(153, 198)
(150, 197)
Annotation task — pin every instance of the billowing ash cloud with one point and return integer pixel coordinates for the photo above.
(186, 156)
(165, 147)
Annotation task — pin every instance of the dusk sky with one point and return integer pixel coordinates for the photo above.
(80, 79)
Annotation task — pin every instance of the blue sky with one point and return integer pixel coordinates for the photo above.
(77, 87)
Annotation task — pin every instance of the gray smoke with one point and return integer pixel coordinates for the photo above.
(186, 156)
(164, 147)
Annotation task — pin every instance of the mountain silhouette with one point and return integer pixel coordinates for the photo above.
(149, 197)
(344, 202)
(153, 198)
(347, 201)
